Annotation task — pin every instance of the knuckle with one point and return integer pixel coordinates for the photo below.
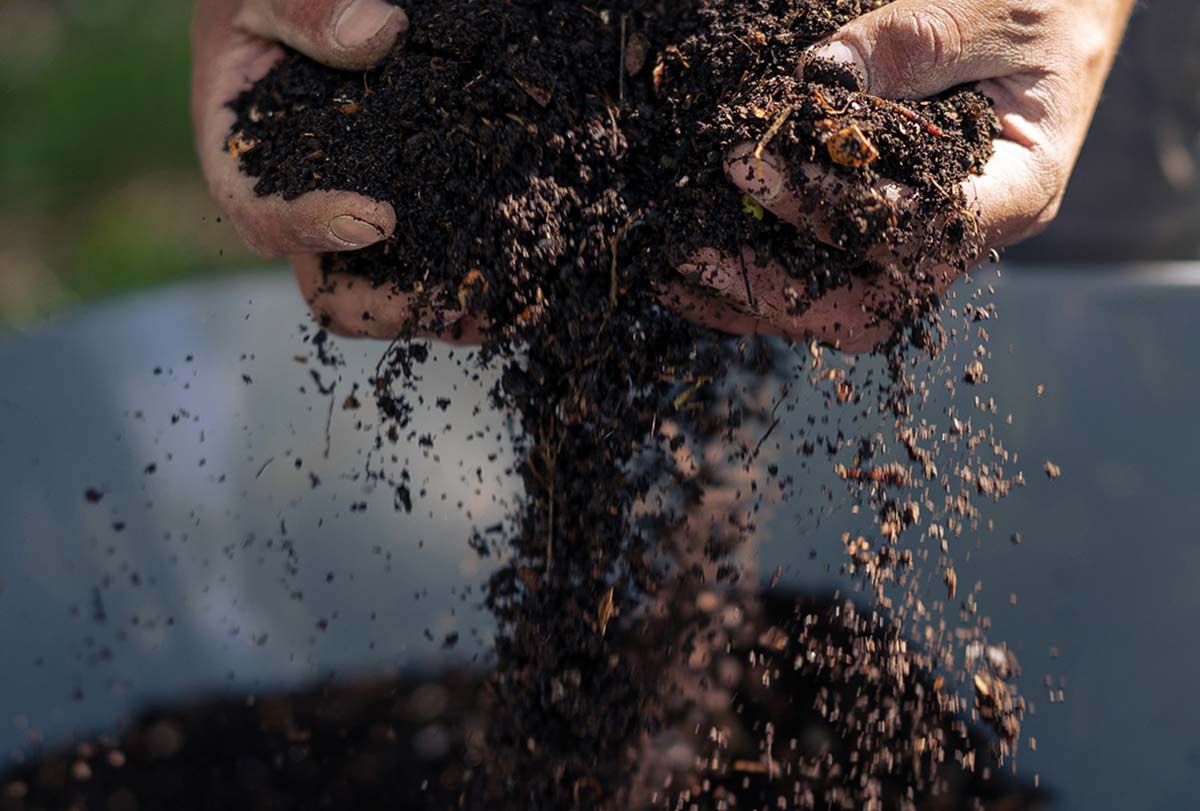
(253, 236)
(1051, 175)
(1030, 16)
(1093, 48)
(313, 17)
(919, 41)
(1046, 216)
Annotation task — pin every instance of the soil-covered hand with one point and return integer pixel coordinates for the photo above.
(235, 43)
(1043, 63)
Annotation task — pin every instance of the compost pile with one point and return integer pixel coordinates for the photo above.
(553, 164)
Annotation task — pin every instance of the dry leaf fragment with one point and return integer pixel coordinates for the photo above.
(678, 54)
(849, 147)
(752, 207)
(541, 95)
(659, 69)
(472, 282)
(774, 638)
(238, 144)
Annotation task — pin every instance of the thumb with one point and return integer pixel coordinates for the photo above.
(349, 34)
(918, 48)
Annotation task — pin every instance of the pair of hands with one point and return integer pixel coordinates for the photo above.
(1043, 63)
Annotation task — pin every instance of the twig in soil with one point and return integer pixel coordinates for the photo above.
(771, 132)
(550, 459)
(891, 474)
(746, 281)
(674, 51)
(774, 423)
(612, 118)
(612, 273)
(550, 530)
(621, 62)
(329, 425)
(614, 244)
(824, 102)
(605, 611)
(766, 436)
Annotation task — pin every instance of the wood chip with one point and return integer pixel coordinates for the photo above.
(238, 144)
(541, 95)
(605, 612)
(636, 50)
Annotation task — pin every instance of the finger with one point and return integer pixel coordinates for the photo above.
(348, 34)
(227, 61)
(917, 48)
(353, 307)
(760, 173)
(813, 203)
(1017, 195)
(740, 296)
(711, 312)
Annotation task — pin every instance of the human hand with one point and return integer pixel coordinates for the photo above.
(1042, 62)
(235, 43)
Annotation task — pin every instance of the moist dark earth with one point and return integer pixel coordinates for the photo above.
(527, 145)
(416, 742)
(552, 164)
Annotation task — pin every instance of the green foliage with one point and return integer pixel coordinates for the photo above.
(96, 115)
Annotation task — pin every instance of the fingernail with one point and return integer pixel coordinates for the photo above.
(355, 232)
(842, 54)
(362, 21)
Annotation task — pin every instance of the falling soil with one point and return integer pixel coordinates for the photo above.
(559, 172)
(413, 742)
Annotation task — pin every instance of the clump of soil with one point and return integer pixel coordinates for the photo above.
(551, 164)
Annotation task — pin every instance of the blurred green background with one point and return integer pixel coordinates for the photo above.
(99, 188)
